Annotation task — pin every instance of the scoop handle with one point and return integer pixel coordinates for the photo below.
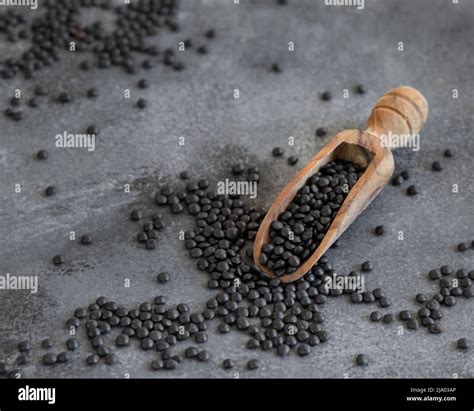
(401, 111)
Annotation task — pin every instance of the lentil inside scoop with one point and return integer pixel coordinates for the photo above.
(299, 230)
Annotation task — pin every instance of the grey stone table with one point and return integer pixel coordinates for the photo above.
(335, 49)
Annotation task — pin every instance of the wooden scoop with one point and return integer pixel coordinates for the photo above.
(400, 112)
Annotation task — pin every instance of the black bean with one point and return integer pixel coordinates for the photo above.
(412, 191)
(326, 96)
(362, 360)
(110, 359)
(142, 103)
(47, 343)
(367, 266)
(122, 340)
(253, 364)
(360, 89)
(321, 131)
(387, 318)
(143, 83)
(157, 365)
(397, 180)
(462, 247)
(228, 364)
(292, 160)
(63, 357)
(450, 301)
(303, 350)
(24, 346)
(379, 230)
(93, 130)
(42, 155)
(435, 329)
(93, 359)
(448, 153)
(58, 260)
(421, 298)
(92, 93)
(357, 297)
(463, 344)
(275, 67)
(150, 244)
(278, 152)
(210, 34)
(434, 274)
(136, 215)
(405, 315)
(50, 359)
(50, 191)
(223, 328)
(191, 352)
(163, 277)
(412, 324)
(436, 166)
(375, 316)
(203, 356)
(64, 98)
(200, 337)
(86, 239)
(72, 344)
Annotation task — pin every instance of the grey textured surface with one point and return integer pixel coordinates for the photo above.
(336, 48)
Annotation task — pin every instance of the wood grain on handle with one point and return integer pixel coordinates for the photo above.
(401, 111)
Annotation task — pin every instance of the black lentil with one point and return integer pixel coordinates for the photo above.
(58, 260)
(405, 315)
(293, 241)
(278, 152)
(253, 364)
(142, 103)
(50, 191)
(49, 359)
(379, 230)
(321, 131)
(387, 318)
(72, 344)
(412, 191)
(326, 96)
(24, 346)
(42, 155)
(375, 316)
(367, 266)
(463, 344)
(63, 357)
(462, 247)
(86, 239)
(203, 356)
(362, 360)
(292, 160)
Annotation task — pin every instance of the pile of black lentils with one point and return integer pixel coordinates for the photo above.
(275, 316)
(298, 231)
